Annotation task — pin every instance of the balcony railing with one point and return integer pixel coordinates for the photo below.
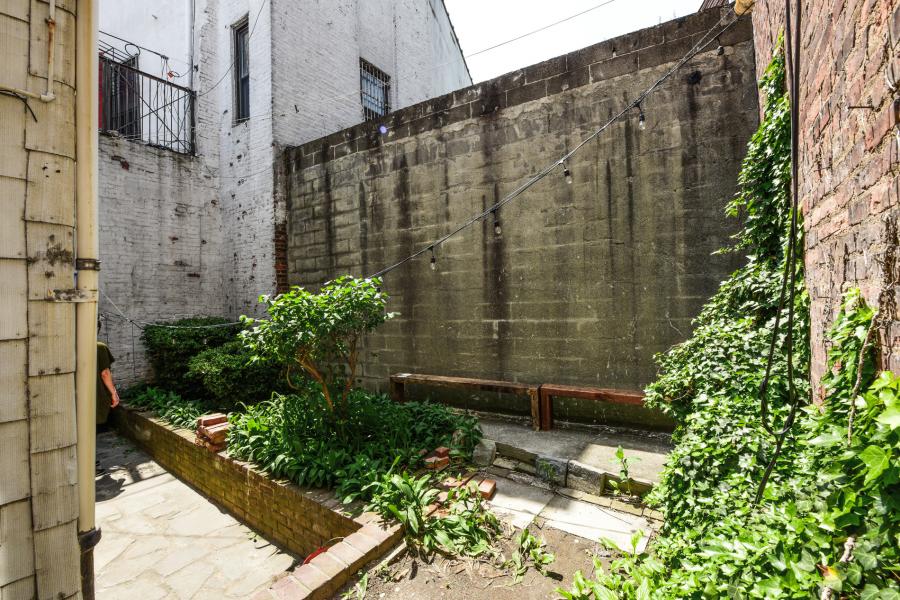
(141, 107)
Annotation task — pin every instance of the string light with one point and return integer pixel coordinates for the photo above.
(567, 173)
(700, 46)
(497, 229)
(642, 121)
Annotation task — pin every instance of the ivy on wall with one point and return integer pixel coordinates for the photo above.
(828, 524)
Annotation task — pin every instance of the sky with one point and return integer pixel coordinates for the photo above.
(480, 24)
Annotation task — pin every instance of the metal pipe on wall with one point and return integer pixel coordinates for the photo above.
(87, 268)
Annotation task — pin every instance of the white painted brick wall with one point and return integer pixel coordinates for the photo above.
(195, 235)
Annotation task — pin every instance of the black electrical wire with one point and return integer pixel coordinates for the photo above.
(698, 47)
(792, 58)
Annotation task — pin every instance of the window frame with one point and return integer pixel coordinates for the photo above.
(371, 78)
(240, 54)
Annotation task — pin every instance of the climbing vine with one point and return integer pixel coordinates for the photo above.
(828, 524)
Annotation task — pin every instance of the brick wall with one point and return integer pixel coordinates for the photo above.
(849, 184)
(587, 281)
(39, 553)
(298, 520)
(160, 245)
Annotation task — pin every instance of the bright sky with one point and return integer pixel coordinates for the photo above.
(483, 23)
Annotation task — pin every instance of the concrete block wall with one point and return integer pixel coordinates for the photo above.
(849, 158)
(39, 553)
(587, 281)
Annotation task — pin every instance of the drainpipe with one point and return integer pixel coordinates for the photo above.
(51, 55)
(87, 268)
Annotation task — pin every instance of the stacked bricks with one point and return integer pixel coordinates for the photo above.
(212, 431)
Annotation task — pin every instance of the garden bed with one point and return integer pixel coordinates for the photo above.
(296, 519)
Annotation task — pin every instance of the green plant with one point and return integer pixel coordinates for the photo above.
(170, 347)
(230, 376)
(358, 591)
(169, 406)
(293, 436)
(529, 551)
(468, 528)
(320, 333)
(624, 474)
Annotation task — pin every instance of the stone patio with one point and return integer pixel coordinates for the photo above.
(161, 539)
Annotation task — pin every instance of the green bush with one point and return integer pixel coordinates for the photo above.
(170, 349)
(230, 376)
(319, 333)
(296, 437)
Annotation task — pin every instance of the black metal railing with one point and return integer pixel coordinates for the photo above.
(142, 107)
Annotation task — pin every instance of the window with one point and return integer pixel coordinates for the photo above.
(120, 96)
(241, 71)
(375, 91)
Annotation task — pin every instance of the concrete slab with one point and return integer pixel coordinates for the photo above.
(595, 447)
(518, 503)
(161, 539)
(594, 522)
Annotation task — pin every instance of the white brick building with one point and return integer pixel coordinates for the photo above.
(195, 233)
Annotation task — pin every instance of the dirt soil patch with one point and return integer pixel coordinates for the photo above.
(413, 578)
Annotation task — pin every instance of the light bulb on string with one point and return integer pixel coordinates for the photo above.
(567, 174)
(642, 121)
(433, 259)
(497, 229)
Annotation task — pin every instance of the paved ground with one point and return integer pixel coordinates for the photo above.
(595, 447)
(161, 539)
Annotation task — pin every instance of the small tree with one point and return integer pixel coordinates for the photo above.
(319, 333)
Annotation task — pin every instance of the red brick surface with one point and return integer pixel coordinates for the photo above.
(849, 174)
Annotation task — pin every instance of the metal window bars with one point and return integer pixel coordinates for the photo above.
(141, 107)
(374, 90)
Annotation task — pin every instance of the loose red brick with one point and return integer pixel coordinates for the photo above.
(212, 419)
(442, 452)
(487, 488)
(436, 462)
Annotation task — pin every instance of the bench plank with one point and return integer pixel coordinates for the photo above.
(549, 391)
(398, 383)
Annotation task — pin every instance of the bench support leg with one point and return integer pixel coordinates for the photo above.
(534, 398)
(546, 411)
(398, 392)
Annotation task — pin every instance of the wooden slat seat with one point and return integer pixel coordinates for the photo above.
(400, 380)
(548, 391)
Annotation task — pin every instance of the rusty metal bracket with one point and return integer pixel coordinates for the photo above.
(87, 264)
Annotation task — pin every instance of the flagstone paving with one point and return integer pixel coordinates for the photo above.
(161, 539)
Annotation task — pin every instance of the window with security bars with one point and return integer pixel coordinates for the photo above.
(375, 91)
(241, 71)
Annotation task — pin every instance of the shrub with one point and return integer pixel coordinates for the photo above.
(170, 347)
(293, 436)
(320, 333)
(230, 376)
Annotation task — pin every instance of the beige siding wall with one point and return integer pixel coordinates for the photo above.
(38, 502)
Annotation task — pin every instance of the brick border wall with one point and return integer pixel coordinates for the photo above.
(295, 519)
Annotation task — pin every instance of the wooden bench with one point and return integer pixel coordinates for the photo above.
(548, 391)
(400, 380)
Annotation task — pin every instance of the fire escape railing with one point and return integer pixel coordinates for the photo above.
(141, 107)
